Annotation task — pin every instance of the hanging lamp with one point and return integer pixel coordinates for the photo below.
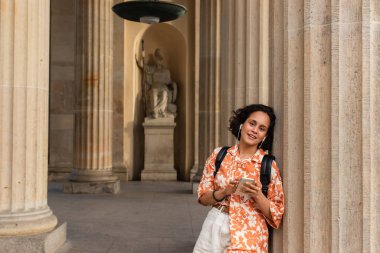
(149, 11)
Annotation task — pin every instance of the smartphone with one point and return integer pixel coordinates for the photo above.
(242, 181)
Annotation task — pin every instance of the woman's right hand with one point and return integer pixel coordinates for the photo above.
(231, 187)
(211, 197)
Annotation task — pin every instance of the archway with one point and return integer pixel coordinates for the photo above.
(174, 50)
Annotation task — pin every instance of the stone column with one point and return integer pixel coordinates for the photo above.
(209, 82)
(24, 94)
(244, 59)
(118, 160)
(276, 94)
(93, 108)
(317, 135)
(230, 72)
(370, 125)
(293, 147)
(347, 103)
(209, 94)
(331, 92)
(195, 169)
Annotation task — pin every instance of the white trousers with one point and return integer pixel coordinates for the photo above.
(215, 233)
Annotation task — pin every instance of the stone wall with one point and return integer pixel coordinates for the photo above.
(62, 84)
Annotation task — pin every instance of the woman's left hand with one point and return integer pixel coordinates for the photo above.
(253, 189)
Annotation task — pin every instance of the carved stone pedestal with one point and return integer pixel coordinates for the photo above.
(159, 150)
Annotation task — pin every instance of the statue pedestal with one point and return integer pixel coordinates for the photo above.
(159, 150)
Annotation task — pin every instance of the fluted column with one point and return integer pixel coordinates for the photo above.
(293, 146)
(195, 169)
(331, 97)
(317, 135)
(209, 81)
(93, 107)
(371, 123)
(244, 58)
(348, 183)
(324, 86)
(276, 96)
(233, 67)
(233, 72)
(24, 93)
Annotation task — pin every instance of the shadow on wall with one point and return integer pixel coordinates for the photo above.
(138, 138)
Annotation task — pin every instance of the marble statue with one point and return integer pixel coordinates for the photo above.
(160, 92)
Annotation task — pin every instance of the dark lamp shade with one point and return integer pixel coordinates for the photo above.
(149, 11)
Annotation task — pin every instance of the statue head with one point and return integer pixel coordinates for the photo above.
(158, 59)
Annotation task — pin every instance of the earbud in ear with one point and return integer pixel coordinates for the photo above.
(238, 136)
(262, 142)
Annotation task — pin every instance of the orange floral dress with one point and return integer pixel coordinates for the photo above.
(248, 227)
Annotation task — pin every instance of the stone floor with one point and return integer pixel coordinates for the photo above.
(145, 217)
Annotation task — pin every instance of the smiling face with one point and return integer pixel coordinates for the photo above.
(255, 128)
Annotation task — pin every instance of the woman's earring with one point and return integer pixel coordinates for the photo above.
(238, 135)
(262, 142)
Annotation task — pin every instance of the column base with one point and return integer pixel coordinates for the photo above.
(112, 187)
(121, 172)
(158, 176)
(195, 186)
(194, 171)
(43, 243)
(27, 223)
(195, 180)
(94, 176)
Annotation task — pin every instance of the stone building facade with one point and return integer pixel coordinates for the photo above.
(316, 62)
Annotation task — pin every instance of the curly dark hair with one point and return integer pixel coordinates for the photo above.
(241, 115)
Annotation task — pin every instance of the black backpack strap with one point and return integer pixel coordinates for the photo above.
(265, 173)
(219, 158)
(265, 176)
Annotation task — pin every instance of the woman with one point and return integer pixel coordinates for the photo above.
(238, 220)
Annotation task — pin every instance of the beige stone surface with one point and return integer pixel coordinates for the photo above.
(23, 120)
(237, 73)
(61, 148)
(195, 166)
(209, 72)
(276, 99)
(293, 153)
(371, 131)
(93, 104)
(327, 84)
(317, 135)
(61, 93)
(159, 150)
(92, 187)
(45, 243)
(118, 157)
